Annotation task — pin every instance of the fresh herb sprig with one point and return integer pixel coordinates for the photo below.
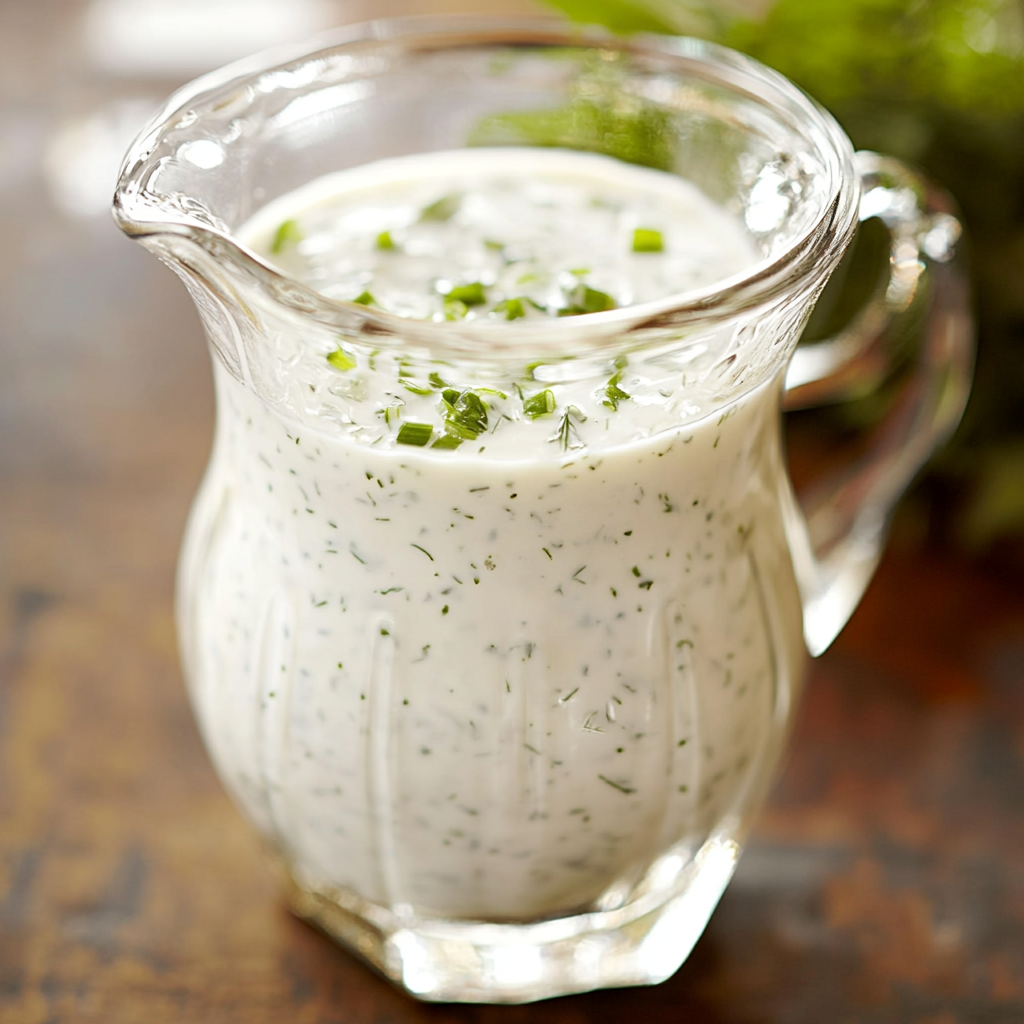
(567, 435)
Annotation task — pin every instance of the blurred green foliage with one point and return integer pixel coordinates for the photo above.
(637, 135)
(940, 84)
(961, 55)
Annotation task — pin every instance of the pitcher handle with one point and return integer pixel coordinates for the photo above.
(846, 516)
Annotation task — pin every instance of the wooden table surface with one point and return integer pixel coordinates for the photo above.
(885, 879)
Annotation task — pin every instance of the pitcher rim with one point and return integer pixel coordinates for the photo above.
(145, 218)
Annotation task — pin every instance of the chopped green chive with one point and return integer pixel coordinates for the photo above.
(512, 308)
(340, 359)
(472, 294)
(647, 240)
(540, 404)
(417, 434)
(455, 309)
(442, 209)
(447, 441)
(465, 413)
(364, 299)
(385, 241)
(584, 299)
(289, 233)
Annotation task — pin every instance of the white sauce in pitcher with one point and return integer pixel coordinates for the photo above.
(493, 677)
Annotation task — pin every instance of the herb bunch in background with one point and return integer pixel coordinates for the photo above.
(940, 84)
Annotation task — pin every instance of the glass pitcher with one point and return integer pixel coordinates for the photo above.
(494, 627)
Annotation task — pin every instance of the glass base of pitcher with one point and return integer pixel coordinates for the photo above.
(641, 943)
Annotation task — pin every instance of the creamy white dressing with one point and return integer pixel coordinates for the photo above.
(522, 222)
(495, 681)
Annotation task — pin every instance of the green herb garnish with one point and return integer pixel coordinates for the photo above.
(385, 241)
(584, 299)
(455, 309)
(417, 434)
(341, 360)
(628, 790)
(471, 294)
(512, 308)
(648, 240)
(465, 413)
(567, 434)
(447, 441)
(364, 299)
(442, 209)
(289, 233)
(540, 404)
(613, 394)
(414, 386)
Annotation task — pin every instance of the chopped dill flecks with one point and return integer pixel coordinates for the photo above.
(567, 434)
(617, 785)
